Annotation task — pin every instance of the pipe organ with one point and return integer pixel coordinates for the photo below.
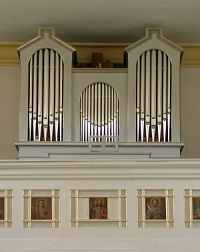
(45, 96)
(153, 97)
(76, 112)
(99, 113)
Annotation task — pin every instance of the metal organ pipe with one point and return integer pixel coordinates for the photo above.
(109, 113)
(112, 114)
(95, 109)
(153, 94)
(106, 110)
(138, 100)
(56, 96)
(153, 101)
(35, 97)
(30, 108)
(51, 102)
(159, 96)
(81, 115)
(46, 93)
(142, 93)
(89, 111)
(61, 99)
(85, 114)
(169, 100)
(92, 110)
(164, 97)
(147, 96)
(40, 93)
(99, 110)
(103, 110)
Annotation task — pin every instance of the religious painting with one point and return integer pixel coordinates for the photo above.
(1, 208)
(196, 208)
(98, 208)
(41, 208)
(155, 208)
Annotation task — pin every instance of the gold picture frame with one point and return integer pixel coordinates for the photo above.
(155, 208)
(41, 208)
(98, 208)
(196, 208)
(2, 205)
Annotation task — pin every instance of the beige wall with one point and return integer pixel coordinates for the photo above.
(190, 111)
(9, 111)
(10, 95)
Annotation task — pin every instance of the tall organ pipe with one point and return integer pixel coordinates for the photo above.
(153, 94)
(147, 97)
(30, 109)
(142, 113)
(138, 100)
(169, 100)
(35, 97)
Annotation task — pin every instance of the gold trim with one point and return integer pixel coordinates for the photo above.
(8, 54)
(143, 194)
(29, 194)
(86, 194)
(191, 55)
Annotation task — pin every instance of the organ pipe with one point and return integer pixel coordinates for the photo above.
(51, 102)
(169, 101)
(92, 110)
(40, 85)
(30, 110)
(153, 94)
(147, 96)
(89, 111)
(103, 110)
(164, 97)
(35, 97)
(61, 99)
(138, 100)
(142, 97)
(56, 96)
(159, 96)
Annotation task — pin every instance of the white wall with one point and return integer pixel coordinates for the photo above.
(177, 175)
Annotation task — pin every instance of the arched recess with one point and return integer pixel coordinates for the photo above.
(153, 96)
(99, 113)
(45, 96)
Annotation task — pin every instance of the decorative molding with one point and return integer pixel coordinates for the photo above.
(100, 169)
(191, 55)
(111, 51)
(8, 53)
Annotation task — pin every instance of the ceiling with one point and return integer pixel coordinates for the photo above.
(114, 21)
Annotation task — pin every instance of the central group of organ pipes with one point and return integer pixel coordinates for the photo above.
(99, 113)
